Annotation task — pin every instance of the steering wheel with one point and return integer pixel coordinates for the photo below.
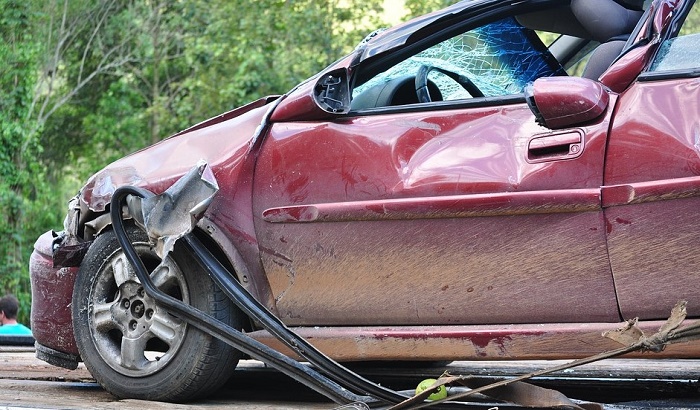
(422, 82)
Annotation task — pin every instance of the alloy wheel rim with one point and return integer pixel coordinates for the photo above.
(133, 334)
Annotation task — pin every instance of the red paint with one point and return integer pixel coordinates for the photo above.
(453, 206)
(621, 74)
(653, 179)
(626, 69)
(565, 102)
(480, 337)
(608, 226)
(52, 290)
(429, 198)
(236, 112)
(545, 341)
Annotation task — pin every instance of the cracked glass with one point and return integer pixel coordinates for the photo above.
(682, 52)
(499, 58)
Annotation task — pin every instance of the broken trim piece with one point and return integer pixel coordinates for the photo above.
(174, 213)
(209, 325)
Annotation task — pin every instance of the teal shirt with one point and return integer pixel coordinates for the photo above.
(17, 329)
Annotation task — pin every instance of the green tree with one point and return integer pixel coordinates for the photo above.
(271, 46)
(191, 60)
(36, 44)
(20, 172)
(86, 47)
(420, 7)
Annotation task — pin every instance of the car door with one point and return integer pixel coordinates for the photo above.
(652, 176)
(458, 211)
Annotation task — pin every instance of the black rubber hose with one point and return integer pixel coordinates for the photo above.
(209, 325)
(272, 324)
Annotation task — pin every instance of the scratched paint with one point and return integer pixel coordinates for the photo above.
(653, 169)
(52, 290)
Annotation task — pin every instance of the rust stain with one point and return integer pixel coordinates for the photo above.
(491, 345)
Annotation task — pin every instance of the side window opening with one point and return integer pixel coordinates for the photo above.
(680, 53)
(499, 59)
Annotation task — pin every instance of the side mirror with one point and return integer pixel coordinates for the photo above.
(324, 97)
(562, 102)
(332, 92)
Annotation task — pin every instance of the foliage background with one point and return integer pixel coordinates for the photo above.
(83, 83)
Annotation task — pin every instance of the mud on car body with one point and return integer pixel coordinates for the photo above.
(452, 189)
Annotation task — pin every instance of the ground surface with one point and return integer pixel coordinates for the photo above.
(26, 382)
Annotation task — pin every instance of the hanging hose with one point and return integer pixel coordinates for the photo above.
(211, 326)
(272, 324)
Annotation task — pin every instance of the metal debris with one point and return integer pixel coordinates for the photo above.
(174, 213)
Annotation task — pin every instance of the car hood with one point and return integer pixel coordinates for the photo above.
(222, 142)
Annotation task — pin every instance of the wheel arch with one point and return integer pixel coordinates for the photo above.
(207, 232)
(227, 254)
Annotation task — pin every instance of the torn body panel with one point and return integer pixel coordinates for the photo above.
(225, 144)
(632, 62)
(174, 213)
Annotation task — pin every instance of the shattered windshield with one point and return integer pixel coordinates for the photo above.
(500, 58)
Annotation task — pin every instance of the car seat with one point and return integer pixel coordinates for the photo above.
(609, 22)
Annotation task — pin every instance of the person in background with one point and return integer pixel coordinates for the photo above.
(9, 305)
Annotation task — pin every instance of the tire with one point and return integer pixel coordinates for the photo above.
(131, 345)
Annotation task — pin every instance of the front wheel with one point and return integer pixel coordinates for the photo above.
(130, 344)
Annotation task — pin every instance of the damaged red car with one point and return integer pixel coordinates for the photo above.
(455, 188)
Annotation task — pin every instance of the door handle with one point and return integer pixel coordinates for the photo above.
(550, 147)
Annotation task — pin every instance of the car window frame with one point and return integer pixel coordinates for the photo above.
(373, 66)
(675, 25)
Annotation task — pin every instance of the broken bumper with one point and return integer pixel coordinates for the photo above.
(52, 291)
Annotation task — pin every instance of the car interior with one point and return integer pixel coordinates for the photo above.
(608, 24)
(500, 58)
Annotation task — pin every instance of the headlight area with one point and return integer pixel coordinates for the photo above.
(68, 247)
